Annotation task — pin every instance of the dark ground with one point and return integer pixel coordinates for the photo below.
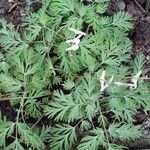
(14, 11)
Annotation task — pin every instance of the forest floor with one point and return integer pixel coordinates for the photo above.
(14, 11)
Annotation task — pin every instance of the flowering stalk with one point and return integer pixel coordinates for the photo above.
(76, 41)
(102, 81)
(134, 81)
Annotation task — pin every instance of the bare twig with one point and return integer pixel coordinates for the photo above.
(37, 121)
(87, 30)
(13, 6)
(139, 5)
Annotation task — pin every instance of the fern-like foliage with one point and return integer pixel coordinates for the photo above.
(93, 141)
(6, 130)
(79, 104)
(65, 140)
(82, 98)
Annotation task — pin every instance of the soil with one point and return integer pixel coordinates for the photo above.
(141, 33)
(14, 11)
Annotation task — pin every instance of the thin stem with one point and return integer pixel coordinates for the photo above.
(38, 121)
(16, 98)
(103, 122)
(55, 32)
(138, 4)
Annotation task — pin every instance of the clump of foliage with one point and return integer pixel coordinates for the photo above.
(40, 78)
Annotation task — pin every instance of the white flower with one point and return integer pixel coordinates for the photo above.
(135, 79)
(73, 47)
(76, 41)
(77, 31)
(102, 81)
(123, 84)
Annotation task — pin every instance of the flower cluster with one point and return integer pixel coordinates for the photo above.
(134, 81)
(76, 41)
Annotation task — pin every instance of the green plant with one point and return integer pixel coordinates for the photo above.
(72, 63)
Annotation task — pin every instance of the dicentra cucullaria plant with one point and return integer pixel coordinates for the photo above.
(72, 64)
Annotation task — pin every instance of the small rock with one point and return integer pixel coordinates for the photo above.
(4, 7)
(35, 6)
(121, 5)
(2, 11)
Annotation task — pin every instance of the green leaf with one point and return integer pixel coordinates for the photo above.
(68, 85)
(92, 142)
(33, 108)
(63, 107)
(101, 8)
(63, 137)
(62, 7)
(45, 133)
(138, 63)
(124, 131)
(85, 125)
(91, 17)
(122, 20)
(12, 41)
(29, 137)
(9, 84)
(6, 129)
(74, 22)
(116, 147)
(91, 110)
(15, 146)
